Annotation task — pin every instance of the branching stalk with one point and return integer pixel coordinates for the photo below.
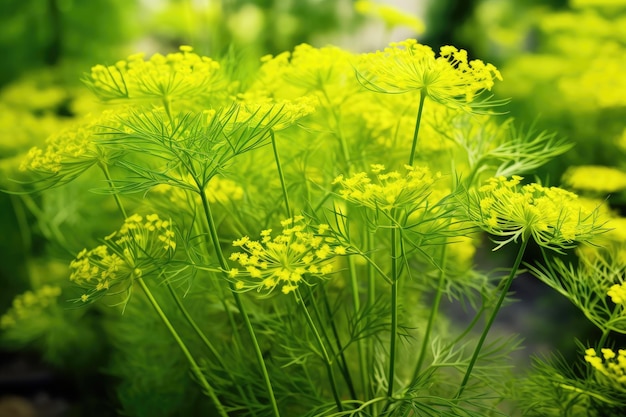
(195, 369)
(281, 176)
(492, 317)
(239, 302)
(327, 360)
(418, 121)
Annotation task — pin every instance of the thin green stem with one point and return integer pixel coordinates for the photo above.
(239, 302)
(345, 371)
(195, 369)
(116, 196)
(492, 317)
(324, 352)
(605, 335)
(356, 303)
(433, 313)
(342, 140)
(394, 311)
(417, 127)
(280, 174)
(203, 337)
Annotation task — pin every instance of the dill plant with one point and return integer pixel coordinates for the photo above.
(379, 169)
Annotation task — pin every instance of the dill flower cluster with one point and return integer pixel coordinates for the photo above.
(553, 217)
(286, 260)
(126, 254)
(219, 190)
(586, 178)
(448, 79)
(175, 75)
(279, 114)
(617, 292)
(72, 149)
(612, 365)
(391, 189)
(29, 305)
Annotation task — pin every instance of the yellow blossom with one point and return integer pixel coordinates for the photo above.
(553, 217)
(595, 178)
(137, 246)
(182, 74)
(284, 260)
(448, 79)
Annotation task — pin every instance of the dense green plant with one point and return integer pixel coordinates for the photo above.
(287, 237)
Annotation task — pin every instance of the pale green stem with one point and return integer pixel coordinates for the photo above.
(340, 136)
(203, 337)
(371, 301)
(195, 369)
(417, 127)
(239, 302)
(116, 196)
(492, 317)
(605, 335)
(280, 174)
(343, 363)
(356, 302)
(323, 351)
(433, 313)
(394, 312)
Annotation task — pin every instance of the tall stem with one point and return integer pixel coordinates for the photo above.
(356, 302)
(492, 317)
(242, 310)
(107, 175)
(343, 363)
(417, 127)
(195, 369)
(280, 174)
(394, 311)
(433, 312)
(324, 352)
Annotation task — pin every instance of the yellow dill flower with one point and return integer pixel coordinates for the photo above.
(219, 190)
(553, 217)
(72, 150)
(611, 365)
(29, 305)
(390, 15)
(595, 178)
(618, 293)
(449, 78)
(286, 260)
(131, 252)
(306, 70)
(390, 190)
(177, 75)
(262, 111)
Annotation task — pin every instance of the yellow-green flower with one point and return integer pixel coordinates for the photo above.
(595, 178)
(29, 305)
(286, 260)
(177, 75)
(611, 365)
(390, 190)
(449, 78)
(553, 217)
(129, 253)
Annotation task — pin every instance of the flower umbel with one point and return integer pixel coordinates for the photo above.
(177, 75)
(286, 260)
(449, 79)
(553, 217)
(611, 365)
(29, 304)
(391, 190)
(126, 254)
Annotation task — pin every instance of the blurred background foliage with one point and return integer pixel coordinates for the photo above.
(562, 62)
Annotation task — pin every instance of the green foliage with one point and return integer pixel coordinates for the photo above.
(354, 183)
